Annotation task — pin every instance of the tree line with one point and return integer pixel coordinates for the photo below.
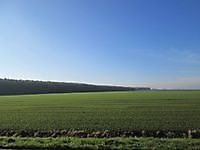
(18, 87)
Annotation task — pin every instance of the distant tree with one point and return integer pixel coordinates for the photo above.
(14, 87)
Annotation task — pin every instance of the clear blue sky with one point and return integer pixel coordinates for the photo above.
(121, 42)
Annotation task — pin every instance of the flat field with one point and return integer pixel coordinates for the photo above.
(148, 110)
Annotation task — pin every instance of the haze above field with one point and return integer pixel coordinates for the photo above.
(132, 43)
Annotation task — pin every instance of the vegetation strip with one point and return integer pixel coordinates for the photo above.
(74, 143)
(19, 87)
(102, 133)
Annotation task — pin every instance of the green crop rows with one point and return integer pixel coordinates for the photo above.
(174, 110)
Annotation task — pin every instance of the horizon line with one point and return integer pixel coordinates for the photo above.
(103, 84)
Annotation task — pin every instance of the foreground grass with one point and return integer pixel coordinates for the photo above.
(98, 143)
(173, 110)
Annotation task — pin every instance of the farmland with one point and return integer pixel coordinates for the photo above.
(137, 110)
(109, 120)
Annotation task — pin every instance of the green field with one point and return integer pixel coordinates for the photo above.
(173, 110)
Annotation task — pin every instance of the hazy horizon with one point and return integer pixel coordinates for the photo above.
(148, 85)
(111, 42)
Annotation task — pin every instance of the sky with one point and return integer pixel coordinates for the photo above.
(154, 43)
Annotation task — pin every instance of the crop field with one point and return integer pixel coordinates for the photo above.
(141, 110)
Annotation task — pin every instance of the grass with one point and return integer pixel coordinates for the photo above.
(99, 143)
(173, 110)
